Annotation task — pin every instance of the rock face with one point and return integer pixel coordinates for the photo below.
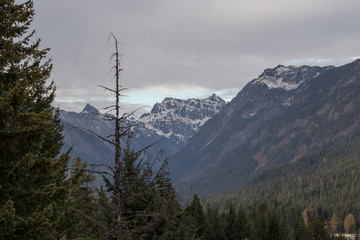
(181, 119)
(171, 122)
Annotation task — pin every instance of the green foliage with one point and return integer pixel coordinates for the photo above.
(215, 228)
(232, 226)
(196, 211)
(81, 218)
(259, 224)
(325, 183)
(32, 177)
(186, 229)
(149, 203)
(7, 220)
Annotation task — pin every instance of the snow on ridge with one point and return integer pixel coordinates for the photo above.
(279, 83)
(288, 77)
(184, 117)
(281, 77)
(282, 69)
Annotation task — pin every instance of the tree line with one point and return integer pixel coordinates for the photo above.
(324, 183)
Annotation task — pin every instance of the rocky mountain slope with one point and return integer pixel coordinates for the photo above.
(272, 121)
(323, 112)
(260, 100)
(171, 122)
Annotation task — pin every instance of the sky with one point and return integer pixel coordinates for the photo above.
(187, 48)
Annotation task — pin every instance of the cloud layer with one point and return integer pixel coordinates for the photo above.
(189, 48)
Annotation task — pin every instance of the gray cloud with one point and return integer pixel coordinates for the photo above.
(215, 45)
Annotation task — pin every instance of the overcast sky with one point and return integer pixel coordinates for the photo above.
(188, 48)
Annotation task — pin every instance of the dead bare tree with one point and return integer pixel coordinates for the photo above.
(130, 173)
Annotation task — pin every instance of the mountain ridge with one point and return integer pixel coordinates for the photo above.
(323, 112)
(148, 129)
(234, 124)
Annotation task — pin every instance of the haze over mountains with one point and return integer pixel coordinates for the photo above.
(283, 115)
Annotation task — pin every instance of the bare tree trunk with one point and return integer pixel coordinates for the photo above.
(124, 226)
(118, 203)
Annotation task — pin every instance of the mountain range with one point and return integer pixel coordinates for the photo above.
(278, 118)
(171, 123)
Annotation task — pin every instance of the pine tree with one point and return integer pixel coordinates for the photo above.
(196, 211)
(81, 202)
(187, 229)
(32, 176)
(232, 227)
(317, 228)
(246, 227)
(215, 227)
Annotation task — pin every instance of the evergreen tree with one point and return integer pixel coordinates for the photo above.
(232, 227)
(267, 224)
(187, 229)
(196, 211)
(81, 203)
(300, 230)
(317, 228)
(167, 205)
(246, 227)
(215, 227)
(32, 176)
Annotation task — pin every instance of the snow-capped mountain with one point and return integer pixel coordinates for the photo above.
(181, 119)
(171, 122)
(288, 78)
(260, 100)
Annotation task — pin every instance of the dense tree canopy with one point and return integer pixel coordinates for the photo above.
(32, 175)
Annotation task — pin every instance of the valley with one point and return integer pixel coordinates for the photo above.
(289, 140)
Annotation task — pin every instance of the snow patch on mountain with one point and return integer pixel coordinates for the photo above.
(274, 78)
(181, 118)
(288, 78)
(278, 83)
(173, 121)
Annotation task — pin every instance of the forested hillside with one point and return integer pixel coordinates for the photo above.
(325, 183)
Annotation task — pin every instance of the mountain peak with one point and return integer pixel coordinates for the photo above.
(288, 77)
(183, 117)
(89, 109)
(215, 97)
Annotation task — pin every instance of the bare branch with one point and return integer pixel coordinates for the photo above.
(101, 165)
(98, 172)
(106, 88)
(97, 135)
